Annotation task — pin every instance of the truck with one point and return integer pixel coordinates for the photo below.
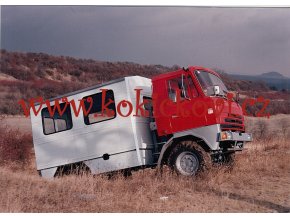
(185, 119)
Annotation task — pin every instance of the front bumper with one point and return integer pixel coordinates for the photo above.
(235, 136)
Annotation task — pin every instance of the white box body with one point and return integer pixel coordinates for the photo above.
(127, 140)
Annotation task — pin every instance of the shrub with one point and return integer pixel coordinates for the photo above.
(49, 72)
(76, 73)
(40, 73)
(14, 146)
(23, 75)
(261, 130)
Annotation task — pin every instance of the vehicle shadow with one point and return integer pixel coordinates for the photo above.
(263, 203)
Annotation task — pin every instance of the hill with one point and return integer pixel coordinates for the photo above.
(274, 80)
(29, 75)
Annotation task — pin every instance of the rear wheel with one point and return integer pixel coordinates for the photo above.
(188, 158)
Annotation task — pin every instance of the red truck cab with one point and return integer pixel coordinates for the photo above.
(194, 103)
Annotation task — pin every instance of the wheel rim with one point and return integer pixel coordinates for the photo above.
(187, 163)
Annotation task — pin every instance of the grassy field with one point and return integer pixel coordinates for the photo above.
(259, 181)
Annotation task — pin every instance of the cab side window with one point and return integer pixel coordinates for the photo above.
(178, 86)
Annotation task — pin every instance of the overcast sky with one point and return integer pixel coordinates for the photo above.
(238, 40)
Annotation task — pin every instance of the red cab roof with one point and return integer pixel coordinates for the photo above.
(177, 72)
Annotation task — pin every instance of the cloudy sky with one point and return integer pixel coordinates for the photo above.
(238, 40)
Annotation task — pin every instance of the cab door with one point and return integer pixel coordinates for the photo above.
(181, 94)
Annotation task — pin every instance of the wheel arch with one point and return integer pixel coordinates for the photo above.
(164, 154)
(72, 168)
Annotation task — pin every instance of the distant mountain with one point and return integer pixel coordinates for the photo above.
(273, 75)
(274, 80)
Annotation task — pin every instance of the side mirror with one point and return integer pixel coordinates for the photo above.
(213, 90)
(216, 90)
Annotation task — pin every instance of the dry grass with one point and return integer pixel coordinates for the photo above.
(258, 182)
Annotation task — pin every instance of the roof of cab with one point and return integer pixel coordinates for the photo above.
(177, 72)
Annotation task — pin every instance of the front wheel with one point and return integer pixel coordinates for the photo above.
(187, 158)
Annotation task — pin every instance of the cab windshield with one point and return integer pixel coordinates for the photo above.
(208, 80)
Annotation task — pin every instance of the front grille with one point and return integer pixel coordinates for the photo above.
(228, 120)
(233, 122)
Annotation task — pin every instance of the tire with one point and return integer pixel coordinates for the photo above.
(187, 158)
